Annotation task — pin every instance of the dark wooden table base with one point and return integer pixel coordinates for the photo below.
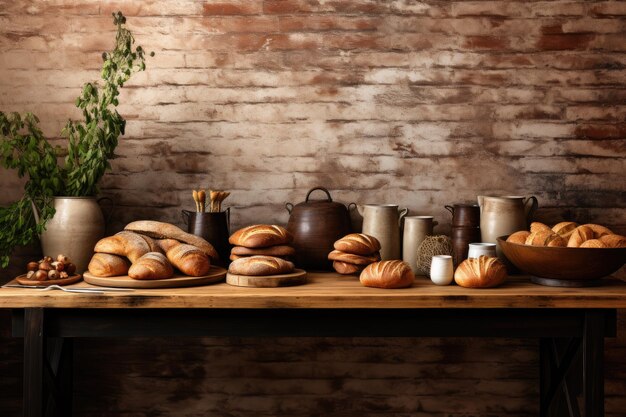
(565, 334)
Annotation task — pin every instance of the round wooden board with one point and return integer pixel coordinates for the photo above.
(216, 274)
(66, 281)
(297, 277)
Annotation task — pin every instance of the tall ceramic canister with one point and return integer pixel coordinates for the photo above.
(416, 228)
(501, 216)
(383, 222)
(316, 225)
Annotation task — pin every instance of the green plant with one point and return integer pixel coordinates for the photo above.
(91, 144)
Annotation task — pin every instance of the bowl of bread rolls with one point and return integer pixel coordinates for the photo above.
(566, 254)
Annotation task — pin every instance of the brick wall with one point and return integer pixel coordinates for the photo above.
(416, 103)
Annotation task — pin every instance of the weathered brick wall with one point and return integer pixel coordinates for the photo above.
(416, 103)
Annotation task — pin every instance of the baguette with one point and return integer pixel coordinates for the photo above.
(387, 274)
(107, 265)
(152, 265)
(358, 244)
(260, 266)
(161, 230)
(128, 244)
(189, 259)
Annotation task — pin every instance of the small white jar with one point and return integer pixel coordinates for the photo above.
(441, 270)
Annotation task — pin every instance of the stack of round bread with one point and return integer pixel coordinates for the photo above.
(260, 250)
(354, 252)
(151, 250)
(568, 234)
(263, 240)
(387, 274)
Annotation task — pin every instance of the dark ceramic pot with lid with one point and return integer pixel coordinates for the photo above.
(316, 225)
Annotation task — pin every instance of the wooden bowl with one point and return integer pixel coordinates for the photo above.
(569, 266)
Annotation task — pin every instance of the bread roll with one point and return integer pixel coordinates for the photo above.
(614, 241)
(160, 230)
(234, 257)
(481, 272)
(128, 244)
(152, 265)
(579, 235)
(260, 266)
(279, 250)
(358, 244)
(261, 236)
(564, 229)
(539, 227)
(107, 265)
(593, 243)
(545, 238)
(598, 230)
(346, 268)
(353, 259)
(387, 274)
(189, 260)
(519, 237)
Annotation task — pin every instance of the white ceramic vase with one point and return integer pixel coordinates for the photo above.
(74, 229)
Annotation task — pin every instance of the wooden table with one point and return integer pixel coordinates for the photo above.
(566, 320)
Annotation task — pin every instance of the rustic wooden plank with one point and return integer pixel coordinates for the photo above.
(330, 290)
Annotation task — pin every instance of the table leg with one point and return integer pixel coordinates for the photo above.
(33, 362)
(593, 363)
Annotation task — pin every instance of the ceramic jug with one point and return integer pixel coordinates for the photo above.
(416, 228)
(504, 215)
(383, 222)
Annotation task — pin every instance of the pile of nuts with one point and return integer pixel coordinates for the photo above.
(47, 269)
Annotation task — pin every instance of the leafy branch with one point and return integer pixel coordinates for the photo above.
(91, 144)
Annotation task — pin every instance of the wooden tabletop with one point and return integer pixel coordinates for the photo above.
(329, 290)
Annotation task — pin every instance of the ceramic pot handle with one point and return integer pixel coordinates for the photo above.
(289, 207)
(403, 212)
(227, 211)
(318, 188)
(450, 209)
(352, 206)
(107, 217)
(530, 210)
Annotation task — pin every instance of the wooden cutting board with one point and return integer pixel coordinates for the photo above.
(216, 274)
(65, 281)
(297, 277)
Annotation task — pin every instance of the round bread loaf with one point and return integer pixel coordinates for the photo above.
(259, 265)
(539, 227)
(350, 258)
(346, 268)
(387, 274)
(564, 229)
(358, 244)
(279, 250)
(481, 272)
(614, 241)
(519, 237)
(579, 235)
(545, 238)
(598, 230)
(593, 243)
(261, 236)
